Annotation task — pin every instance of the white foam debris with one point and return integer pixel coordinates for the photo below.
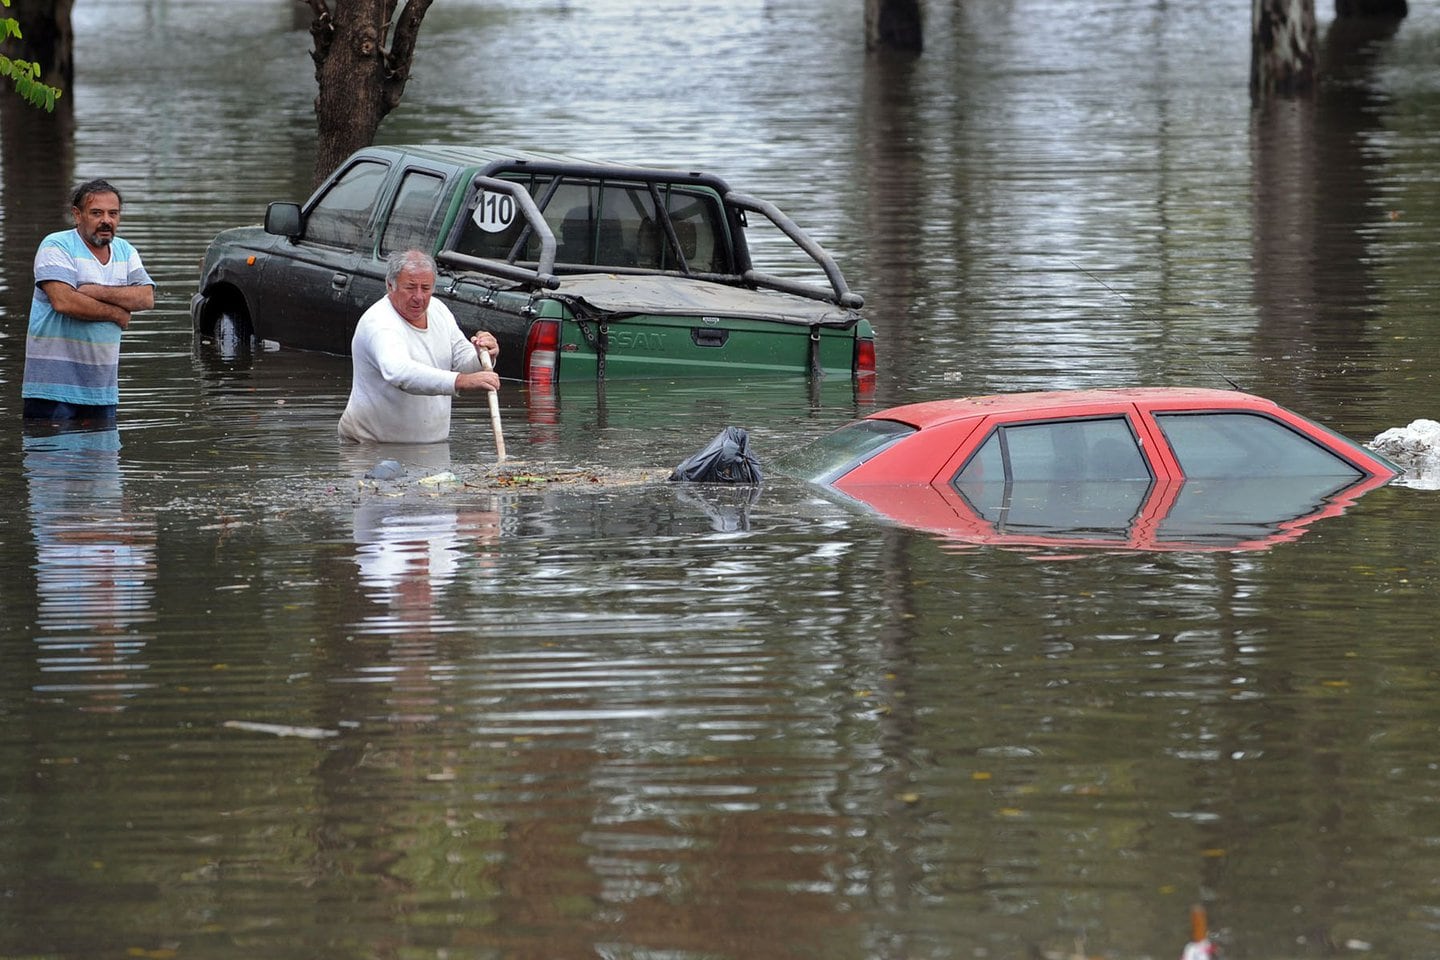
(282, 729)
(1414, 447)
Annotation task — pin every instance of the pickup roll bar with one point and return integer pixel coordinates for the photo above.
(841, 290)
(544, 273)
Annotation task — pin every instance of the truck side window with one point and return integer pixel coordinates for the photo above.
(411, 222)
(341, 218)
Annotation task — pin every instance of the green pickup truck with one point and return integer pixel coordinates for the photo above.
(582, 270)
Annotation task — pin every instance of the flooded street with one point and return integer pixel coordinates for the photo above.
(256, 704)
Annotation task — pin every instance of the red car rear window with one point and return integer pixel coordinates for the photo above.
(839, 452)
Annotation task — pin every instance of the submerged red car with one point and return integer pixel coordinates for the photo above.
(1142, 468)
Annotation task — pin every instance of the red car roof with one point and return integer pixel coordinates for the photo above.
(1070, 403)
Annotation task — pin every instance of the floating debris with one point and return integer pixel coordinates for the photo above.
(569, 477)
(386, 470)
(282, 729)
(439, 479)
(538, 479)
(1416, 449)
(1417, 441)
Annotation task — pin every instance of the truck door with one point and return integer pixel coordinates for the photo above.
(306, 299)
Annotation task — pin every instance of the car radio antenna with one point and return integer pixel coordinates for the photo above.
(1131, 304)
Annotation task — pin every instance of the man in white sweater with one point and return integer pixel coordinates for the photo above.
(409, 358)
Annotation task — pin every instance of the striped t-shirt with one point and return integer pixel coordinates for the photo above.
(76, 361)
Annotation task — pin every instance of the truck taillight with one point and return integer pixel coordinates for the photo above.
(542, 346)
(865, 368)
(865, 358)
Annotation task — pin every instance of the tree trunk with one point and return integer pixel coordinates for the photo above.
(893, 25)
(47, 40)
(360, 79)
(37, 162)
(1282, 48)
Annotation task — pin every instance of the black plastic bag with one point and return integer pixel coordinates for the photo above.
(724, 460)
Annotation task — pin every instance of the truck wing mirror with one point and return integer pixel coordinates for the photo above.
(283, 219)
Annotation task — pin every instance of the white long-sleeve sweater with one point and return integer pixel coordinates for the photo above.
(403, 377)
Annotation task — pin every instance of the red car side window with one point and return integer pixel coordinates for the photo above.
(1095, 449)
(1246, 445)
(1040, 477)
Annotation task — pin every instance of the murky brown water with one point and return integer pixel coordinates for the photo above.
(255, 705)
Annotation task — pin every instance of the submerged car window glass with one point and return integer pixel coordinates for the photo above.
(342, 216)
(1095, 449)
(1227, 512)
(1246, 445)
(411, 216)
(1070, 478)
(652, 250)
(1085, 509)
(982, 480)
(842, 450)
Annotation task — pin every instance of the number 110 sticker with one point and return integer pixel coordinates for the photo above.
(495, 212)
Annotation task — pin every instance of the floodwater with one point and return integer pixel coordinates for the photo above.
(252, 704)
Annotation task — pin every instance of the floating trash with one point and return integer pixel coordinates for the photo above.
(282, 729)
(439, 479)
(1414, 447)
(726, 459)
(386, 470)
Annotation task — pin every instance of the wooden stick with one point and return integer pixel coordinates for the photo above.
(1199, 924)
(494, 408)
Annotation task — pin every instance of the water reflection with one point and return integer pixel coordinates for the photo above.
(95, 569)
(1319, 207)
(408, 555)
(407, 559)
(637, 725)
(1192, 516)
(418, 460)
(728, 508)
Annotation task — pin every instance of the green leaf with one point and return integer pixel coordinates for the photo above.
(24, 75)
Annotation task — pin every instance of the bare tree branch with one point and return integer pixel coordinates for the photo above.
(322, 29)
(407, 31)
